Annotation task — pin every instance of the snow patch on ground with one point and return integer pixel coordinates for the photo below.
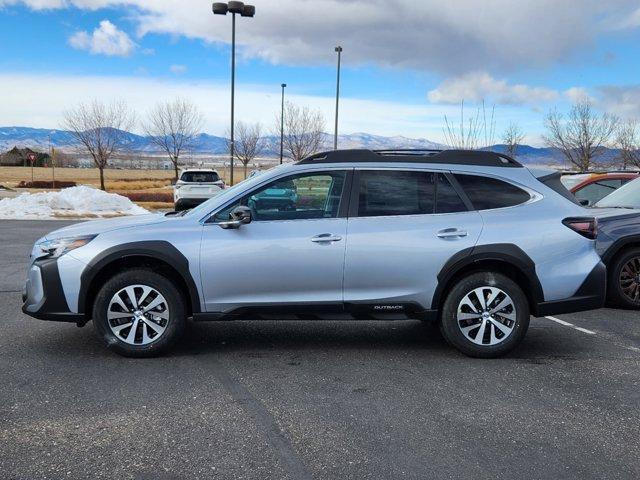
(74, 202)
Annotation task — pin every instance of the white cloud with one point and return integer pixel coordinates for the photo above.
(178, 69)
(50, 95)
(106, 39)
(477, 86)
(36, 4)
(575, 94)
(620, 100)
(451, 37)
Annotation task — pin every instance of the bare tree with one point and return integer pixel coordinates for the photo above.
(583, 136)
(172, 126)
(512, 138)
(472, 131)
(249, 143)
(628, 143)
(303, 131)
(100, 129)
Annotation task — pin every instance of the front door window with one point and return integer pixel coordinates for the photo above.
(300, 197)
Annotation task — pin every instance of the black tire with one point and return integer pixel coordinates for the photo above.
(174, 326)
(615, 292)
(451, 331)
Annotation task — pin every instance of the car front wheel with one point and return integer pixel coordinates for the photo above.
(485, 315)
(139, 313)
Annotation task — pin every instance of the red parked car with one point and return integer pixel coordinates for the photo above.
(590, 188)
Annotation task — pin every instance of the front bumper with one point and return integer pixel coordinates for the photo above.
(590, 296)
(43, 297)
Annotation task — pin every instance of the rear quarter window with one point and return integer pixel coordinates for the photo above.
(486, 193)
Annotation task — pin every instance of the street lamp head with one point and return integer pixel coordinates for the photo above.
(283, 85)
(248, 11)
(235, 7)
(220, 8)
(338, 49)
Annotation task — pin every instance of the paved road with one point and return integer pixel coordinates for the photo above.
(301, 400)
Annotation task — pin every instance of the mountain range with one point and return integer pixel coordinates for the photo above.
(40, 139)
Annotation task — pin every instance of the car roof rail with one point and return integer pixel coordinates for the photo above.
(458, 157)
(598, 172)
(408, 151)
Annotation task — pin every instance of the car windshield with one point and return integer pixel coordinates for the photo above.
(199, 177)
(627, 196)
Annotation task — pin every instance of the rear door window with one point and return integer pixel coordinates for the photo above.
(397, 192)
(447, 199)
(487, 193)
(386, 192)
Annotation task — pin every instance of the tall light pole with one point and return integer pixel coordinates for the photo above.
(282, 124)
(335, 137)
(220, 8)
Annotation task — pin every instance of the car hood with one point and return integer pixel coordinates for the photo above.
(96, 227)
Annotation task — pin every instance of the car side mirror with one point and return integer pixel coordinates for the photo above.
(240, 215)
(584, 203)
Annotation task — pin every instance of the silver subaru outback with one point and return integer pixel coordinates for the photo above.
(471, 240)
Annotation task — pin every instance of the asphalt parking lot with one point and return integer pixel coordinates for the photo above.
(302, 400)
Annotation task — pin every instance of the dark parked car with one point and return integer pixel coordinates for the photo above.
(618, 243)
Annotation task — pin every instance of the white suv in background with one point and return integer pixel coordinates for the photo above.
(196, 186)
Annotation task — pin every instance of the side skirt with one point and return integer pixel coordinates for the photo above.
(348, 311)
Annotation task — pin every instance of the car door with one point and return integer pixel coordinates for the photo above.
(292, 252)
(403, 227)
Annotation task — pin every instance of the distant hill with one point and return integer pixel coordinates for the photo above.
(39, 138)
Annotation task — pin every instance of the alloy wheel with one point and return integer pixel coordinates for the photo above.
(630, 280)
(486, 316)
(138, 315)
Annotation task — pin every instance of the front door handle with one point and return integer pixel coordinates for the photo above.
(452, 233)
(326, 238)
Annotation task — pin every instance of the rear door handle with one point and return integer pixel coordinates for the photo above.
(451, 233)
(326, 238)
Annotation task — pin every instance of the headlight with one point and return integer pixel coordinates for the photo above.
(60, 246)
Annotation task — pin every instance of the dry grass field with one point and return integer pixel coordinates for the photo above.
(116, 179)
(153, 185)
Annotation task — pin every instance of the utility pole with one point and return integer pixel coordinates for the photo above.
(220, 8)
(338, 50)
(282, 125)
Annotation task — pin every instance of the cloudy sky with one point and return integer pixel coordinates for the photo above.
(406, 63)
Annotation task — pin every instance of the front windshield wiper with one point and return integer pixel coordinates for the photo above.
(176, 213)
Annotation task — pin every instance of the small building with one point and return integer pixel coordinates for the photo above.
(19, 157)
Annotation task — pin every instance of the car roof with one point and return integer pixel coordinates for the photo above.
(595, 177)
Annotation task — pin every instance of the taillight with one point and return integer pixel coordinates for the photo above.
(585, 226)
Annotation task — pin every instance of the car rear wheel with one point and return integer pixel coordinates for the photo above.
(624, 279)
(139, 313)
(485, 315)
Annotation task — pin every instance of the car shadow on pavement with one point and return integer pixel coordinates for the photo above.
(257, 337)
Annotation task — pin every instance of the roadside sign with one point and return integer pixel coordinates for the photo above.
(32, 157)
